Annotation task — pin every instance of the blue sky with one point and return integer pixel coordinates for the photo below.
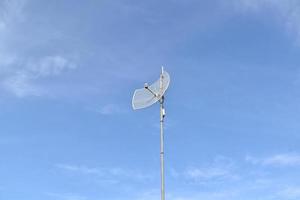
(68, 71)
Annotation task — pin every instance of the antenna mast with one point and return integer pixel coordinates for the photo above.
(162, 160)
(147, 96)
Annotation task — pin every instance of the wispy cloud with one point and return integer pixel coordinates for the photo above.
(10, 11)
(287, 11)
(221, 169)
(49, 66)
(6, 60)
(283, 159)
(21, 78)
(212, 195)
(288, 159)
(21, 74)
(66, 196)
(292, 193)
(2, 25)
(208, 173)
(106, 65)
(111, 175)
(80, 169)
(235, 179)
(20, 85)
(110, 109)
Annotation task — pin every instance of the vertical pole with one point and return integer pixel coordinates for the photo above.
(162, 115)
(162, 150)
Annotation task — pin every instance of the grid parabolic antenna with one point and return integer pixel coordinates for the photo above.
(149, 95)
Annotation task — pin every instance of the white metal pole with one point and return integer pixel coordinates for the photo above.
(162, 115)
(162, 150)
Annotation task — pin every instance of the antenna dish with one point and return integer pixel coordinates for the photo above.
(150, 94)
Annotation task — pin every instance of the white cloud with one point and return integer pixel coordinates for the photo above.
(2, 25)
(238, 192)
(81, 169)
(50, 66)
(12, 10)
(10, 13)
(174, 173)
(6, 60)
(213, 195)
(287, 11)
(210, 174)
(283, 159)
(290, 193)
(288, 159)
(66, 196)
(206, 173)
(110, 109)
(149, 195)
(20, 76)
(20, 85)
(221, 169)
(109, 175)
(107, 109)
